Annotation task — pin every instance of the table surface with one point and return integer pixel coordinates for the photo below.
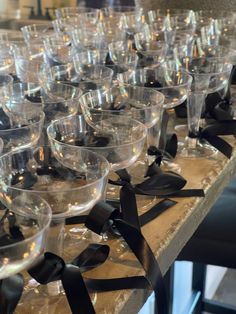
(167, 234)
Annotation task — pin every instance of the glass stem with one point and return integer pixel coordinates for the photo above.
(194, 110)
(55, 243)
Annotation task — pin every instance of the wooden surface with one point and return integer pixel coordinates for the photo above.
(166, 235)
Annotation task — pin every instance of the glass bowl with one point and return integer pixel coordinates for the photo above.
(31, 215)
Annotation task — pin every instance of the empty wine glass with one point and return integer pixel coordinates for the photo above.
(140, 103)
(71, 184)
(74, 11)
(6, 82)
(31, 215)
(35, 33)
(174, 85)
(86, 77)
(209, 75)
(119, 139)
(57, 50)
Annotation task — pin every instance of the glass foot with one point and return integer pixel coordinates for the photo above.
(198, 150)
(45, 299)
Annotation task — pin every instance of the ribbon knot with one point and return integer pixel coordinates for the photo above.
(51, 267)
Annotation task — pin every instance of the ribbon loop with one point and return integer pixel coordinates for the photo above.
(48, 268)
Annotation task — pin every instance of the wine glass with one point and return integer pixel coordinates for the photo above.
(36, 32)
(119, 139)
(6, 82)
(57, 50)
(209, 76)
(174, 85)
(74, 11)
(31, 215)
(86, 77)
(140, 103)
(71, 184)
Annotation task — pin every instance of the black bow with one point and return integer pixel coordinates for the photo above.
(97, 221)
(51, 267)
(211, 134)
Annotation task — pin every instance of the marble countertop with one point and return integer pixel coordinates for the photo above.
(167, 234)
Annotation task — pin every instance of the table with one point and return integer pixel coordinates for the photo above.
(167, 234)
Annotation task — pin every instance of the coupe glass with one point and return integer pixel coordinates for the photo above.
(7, 65)
(91, 56)
(86, 77)
(88, 38)
(119, 139)
(6, 82)
(36, 32)
(74, 11)
(24, 128)
(209, 76)
(57, 50)
(28, 62)
(174, 85)
(31, 215)
(71, 184)
(140, 103)
(121, 61)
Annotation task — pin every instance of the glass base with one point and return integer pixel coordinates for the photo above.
(169, 165)
(45, 299)
(192, 148)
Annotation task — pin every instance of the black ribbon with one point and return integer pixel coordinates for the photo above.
(168, 143)
(211, 134)
(97, 221)
(11, 290)
(51, 267)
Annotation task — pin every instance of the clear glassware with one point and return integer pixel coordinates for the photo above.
(6, 82)
(121, 142)
(112, 30)
(88, 38)
(174, 85)
(57, 50)
(36, 32)
(28, 62)
(86, 77)
(32, 216)
(7, 65)
(74, 11)
(119, 139)
(71, 183)
(25, 124)
(209, 75)
(91, 56)
(141, 104)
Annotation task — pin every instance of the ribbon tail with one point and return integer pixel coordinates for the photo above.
(115, 284)
(220, 144)
(76, 291)
(129, 205)
(143, 252)
(10, 293)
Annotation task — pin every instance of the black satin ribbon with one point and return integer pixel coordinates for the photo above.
(51, 267)
(164, 184)
(137, 244)
(211, 134)
(168, 143)
(11, 290)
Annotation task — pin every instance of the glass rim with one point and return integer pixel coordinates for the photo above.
(187, 75)
(48, 217)
(41, 116)
(84, 187)
(143, 129)
(109, 91)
